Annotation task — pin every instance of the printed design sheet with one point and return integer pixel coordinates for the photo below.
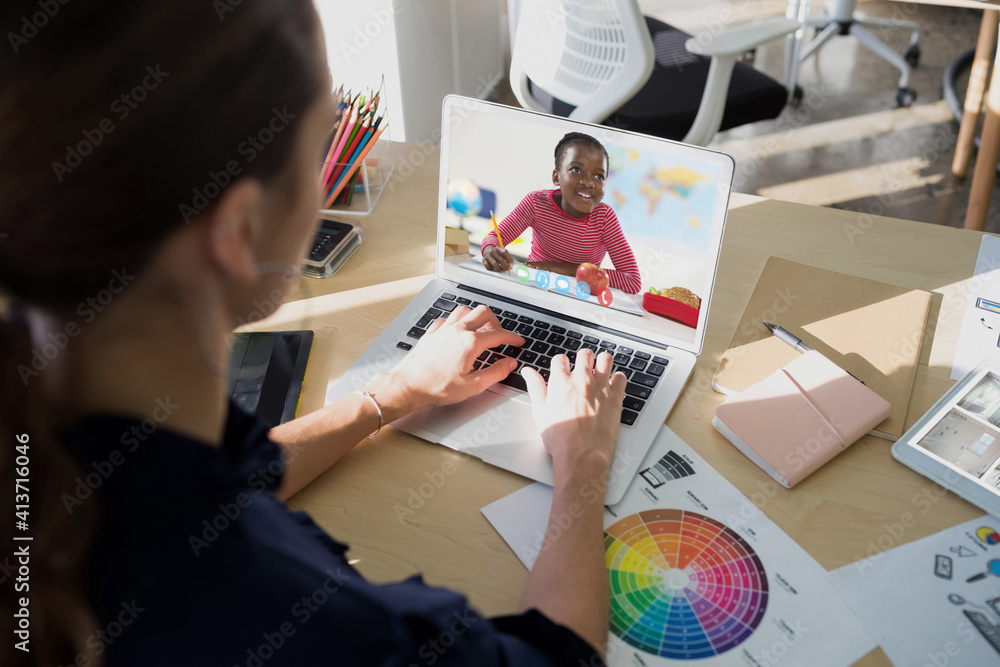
(980, 335)
(935, 601)
(698, 573)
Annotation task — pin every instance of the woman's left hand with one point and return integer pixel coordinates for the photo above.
(439, 368)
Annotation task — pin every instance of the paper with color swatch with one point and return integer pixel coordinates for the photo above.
(698, 573)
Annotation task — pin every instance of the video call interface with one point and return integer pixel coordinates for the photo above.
(643, 254)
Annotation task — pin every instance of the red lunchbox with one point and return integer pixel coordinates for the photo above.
(667, 307)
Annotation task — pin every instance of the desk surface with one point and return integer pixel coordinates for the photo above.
(406, 506)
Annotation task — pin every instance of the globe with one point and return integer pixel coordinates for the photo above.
(464, 198)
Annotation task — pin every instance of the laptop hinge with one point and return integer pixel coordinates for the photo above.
(568, 318)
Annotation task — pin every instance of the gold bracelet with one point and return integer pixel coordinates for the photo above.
(378, 409)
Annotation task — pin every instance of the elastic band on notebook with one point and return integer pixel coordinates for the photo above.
(812, 405)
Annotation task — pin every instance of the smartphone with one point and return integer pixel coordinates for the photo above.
(335, 241)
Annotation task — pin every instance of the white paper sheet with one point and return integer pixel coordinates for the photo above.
(980, 334)
(702, 575)
(919, 600)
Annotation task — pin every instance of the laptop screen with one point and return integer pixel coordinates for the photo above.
(625, 232)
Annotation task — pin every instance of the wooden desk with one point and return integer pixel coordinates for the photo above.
(839, 515)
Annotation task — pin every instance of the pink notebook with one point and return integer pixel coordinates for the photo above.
(799, 417)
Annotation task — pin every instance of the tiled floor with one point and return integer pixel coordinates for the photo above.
(847, 145)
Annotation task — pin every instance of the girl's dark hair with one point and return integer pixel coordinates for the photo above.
(119, 121)
(573, 139)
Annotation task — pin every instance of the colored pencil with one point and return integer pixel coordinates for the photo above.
(361, 123)
(359, 145)
(496, 229)
(337, 156)
(341, 124)
(344, 161)
(348, 118)
(360, 159)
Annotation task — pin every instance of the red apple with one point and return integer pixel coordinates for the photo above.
(595, 277)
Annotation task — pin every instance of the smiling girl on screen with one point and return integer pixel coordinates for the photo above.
(570, 225)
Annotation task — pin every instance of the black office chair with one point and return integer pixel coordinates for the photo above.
(605, 62)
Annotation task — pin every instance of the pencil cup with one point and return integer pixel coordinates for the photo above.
(357, 185)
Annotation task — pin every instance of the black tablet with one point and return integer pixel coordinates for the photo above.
(266, 372)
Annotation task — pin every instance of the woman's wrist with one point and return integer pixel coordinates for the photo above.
(395, 398)
(571, 466)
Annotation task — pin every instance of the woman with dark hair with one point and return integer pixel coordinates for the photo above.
(156, 159)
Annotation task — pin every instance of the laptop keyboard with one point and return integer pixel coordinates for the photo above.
(543, 340)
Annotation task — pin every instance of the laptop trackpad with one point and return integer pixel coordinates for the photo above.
(489, 424)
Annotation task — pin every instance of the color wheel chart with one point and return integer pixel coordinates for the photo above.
(683, 585)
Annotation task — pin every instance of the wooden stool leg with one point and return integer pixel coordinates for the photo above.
(989, 154)
(974, 95)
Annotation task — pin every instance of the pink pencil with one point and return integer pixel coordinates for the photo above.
(346, 118)
(333, 143)
(344, 113)
(340, 158)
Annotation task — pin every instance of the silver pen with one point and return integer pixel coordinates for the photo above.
(796, 342)
(787, 337)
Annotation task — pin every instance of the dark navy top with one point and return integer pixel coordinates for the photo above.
(196, 563)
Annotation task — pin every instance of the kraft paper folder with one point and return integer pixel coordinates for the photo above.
(799, 417)
(869, 328)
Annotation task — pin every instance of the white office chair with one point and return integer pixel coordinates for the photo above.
(603, 61)
(840, 18)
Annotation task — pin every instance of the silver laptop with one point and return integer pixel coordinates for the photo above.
(670, 200)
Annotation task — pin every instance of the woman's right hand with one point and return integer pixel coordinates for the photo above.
(578, 414)
(496, 258)
(579, 411)
(439, 370)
